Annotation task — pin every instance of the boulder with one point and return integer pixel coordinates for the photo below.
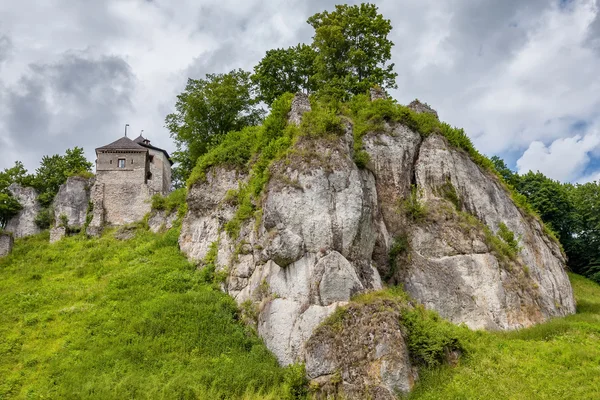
(72, 201)
(23, 224)
(161, 220)
(57, 233)
(6, 243)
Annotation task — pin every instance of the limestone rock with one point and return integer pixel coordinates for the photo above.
(377, 93)
(6, 243)
(72, 201)
(159, 221)
(23, 224)
(364, 357)
(419, 107)
(327, 231)
(57, 233)
(300, 105)
(94, 229)
(476, 289)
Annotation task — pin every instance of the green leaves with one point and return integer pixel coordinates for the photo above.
(352, 50)
(205, 111)
(285, 70)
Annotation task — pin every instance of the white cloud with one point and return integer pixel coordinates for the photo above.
(564, 160)
(512, 73)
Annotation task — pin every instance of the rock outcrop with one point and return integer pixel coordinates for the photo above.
(329, 230)
(161, 220)
(23, 224)
(72, 201)
(362, 356)
(6, 244)
(57, 233)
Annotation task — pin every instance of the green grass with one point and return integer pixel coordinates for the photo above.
(105, 319)
(556, 360)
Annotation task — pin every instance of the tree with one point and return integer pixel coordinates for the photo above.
(509, 176)
(552, 200)
(54, 171)
(585, 254)
(205, 111)
(285, 70)
(9, 206)
(352, 50)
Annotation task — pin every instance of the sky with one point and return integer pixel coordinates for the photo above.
(521, 77)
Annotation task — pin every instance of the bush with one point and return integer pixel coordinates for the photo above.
(45, 218)
(413, 207)
(173, 201)
(429, 338)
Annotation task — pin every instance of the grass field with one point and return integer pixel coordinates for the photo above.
(556, 360)
(109, 319)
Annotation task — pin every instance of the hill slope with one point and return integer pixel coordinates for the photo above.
(103, 318)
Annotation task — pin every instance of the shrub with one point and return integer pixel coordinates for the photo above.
(44, 219)
(413, 207)
(509, 237)
(429, 338)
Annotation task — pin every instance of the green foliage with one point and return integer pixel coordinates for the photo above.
(106, 319)
(398, 248)
(252, 150)
(321, 121)
(428, 337)
(449, 193)
(554, 360)
(413, 207)
(207, 110)
(282, 71)
(295, 382)
(353, 50)
(45, 218)
(9, 207)
(54, 171)
(509, 237)
(173, 201)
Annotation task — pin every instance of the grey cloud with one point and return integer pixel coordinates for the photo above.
(77, 101)
(6, 47)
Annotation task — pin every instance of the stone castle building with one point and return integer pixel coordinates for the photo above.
(128, 173)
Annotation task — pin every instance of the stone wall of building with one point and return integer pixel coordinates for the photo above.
(136, 166)
(6, 244)
(160, 168)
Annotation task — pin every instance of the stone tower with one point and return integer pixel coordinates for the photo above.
(128, 173)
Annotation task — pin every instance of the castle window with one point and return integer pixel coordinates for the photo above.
(111, 161)
(132, 161)
(121, 163)
(149, 176)
(151, 158)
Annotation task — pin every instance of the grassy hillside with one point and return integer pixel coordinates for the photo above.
(556, 360)
(110, 319)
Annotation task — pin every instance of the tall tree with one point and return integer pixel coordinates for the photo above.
(353, 50)
(285, 70)
(205, 111)
(9, 206)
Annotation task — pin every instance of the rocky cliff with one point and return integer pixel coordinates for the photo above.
(421, 213)
(23, 224)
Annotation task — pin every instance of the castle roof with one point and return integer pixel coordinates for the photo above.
(142, 141)
(123, 144)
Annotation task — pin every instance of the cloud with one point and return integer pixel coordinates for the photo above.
(564, 159)
(5, 48)
(55, 106)
(515, 74)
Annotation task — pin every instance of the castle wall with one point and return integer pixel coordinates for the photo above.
(136, 165)
(124, 192)
(160, 167)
